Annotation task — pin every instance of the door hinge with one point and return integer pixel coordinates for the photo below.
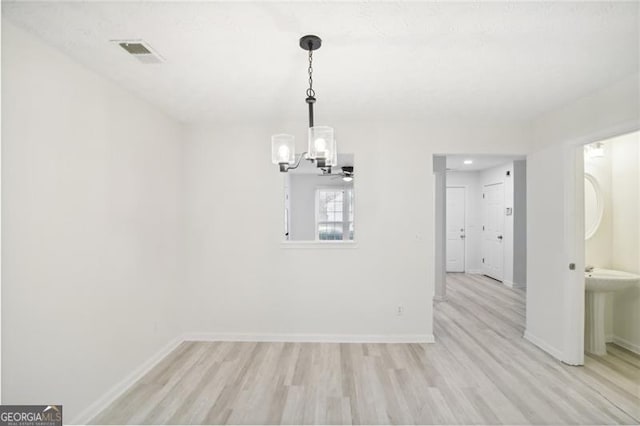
(482, 195)
(483, 260)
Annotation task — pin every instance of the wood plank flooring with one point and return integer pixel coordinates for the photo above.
(480, 371)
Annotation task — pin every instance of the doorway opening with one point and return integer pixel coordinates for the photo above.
(480, 218)
(612, 249)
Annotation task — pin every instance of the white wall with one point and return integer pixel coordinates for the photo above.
(520, 223)
(607, 112)
(440, 225)
(625, 193)
(91, 228)
(243, 281)
(625, 179)
(547, 263)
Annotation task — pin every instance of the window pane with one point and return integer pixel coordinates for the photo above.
(331, 205)
(330, 231)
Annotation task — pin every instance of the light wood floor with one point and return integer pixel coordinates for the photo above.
(480, 371)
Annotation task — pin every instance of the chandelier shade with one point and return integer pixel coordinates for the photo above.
(283, 149)
(334, 159)
(322, 144)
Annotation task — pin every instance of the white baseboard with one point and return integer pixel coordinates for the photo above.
(511, 284)
(310, 338)
(633, 347)
(116, 391)
(556, 353)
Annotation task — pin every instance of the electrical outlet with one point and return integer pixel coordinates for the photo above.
(400, 310)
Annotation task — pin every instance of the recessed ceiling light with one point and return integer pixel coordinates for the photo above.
(468, 161)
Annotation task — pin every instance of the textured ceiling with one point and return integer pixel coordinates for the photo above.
(238, 62)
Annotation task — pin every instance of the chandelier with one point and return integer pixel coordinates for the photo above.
(321, 142)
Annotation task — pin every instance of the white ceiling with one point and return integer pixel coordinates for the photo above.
(480, 162)
(238, 62)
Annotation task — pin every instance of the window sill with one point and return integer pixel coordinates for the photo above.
(319, 244)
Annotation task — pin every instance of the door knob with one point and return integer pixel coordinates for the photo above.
(499, 237)
(462, 237)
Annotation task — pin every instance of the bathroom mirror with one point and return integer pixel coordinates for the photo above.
(593, 205)
(319, 203)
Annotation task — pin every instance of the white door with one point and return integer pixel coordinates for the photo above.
(555, 252)
(455, 229)
(493, 231)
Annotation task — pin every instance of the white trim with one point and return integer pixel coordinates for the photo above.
(519, 285)
(633, 347)
(335, 244)
(512, 284)
(121, 387)
(556, 353)
(310, 338)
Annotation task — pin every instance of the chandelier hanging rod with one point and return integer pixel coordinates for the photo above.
(310, 43)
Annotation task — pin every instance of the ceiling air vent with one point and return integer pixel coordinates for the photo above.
(141, 51)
